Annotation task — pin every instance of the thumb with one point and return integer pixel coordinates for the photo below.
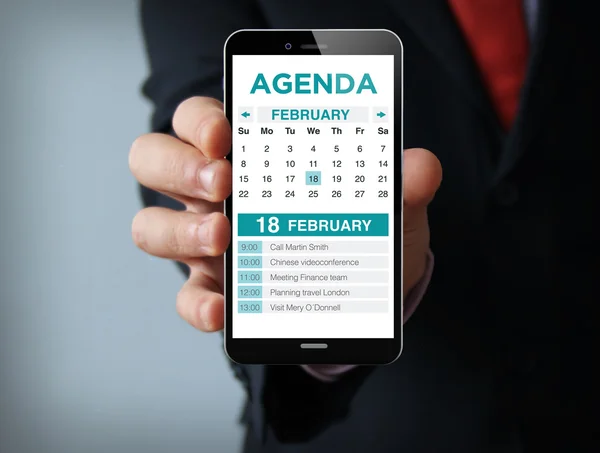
(422, 175)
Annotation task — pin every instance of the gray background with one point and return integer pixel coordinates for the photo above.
(93, 357)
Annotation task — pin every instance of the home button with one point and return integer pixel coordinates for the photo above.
(313, 345)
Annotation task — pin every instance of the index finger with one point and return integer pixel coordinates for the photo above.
(201, 122)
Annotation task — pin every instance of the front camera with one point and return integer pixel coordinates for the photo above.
(288, 46)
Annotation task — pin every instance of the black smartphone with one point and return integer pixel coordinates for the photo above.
(313, 274)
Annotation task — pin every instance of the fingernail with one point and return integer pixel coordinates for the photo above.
(207, 177)
(204, 234)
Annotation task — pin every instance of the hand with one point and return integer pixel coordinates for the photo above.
(192, 169)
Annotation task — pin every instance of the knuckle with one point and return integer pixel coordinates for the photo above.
(187, 173)
(179, 238)
(174, 242)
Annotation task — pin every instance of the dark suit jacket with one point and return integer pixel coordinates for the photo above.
(498, 356)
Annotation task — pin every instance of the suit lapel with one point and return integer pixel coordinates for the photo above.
(434, 23)
(549, 47)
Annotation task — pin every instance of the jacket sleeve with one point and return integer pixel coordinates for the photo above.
(184, 44)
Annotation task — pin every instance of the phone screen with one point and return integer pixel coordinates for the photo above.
(313, 196)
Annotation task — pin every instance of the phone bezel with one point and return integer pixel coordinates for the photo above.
(363, 351)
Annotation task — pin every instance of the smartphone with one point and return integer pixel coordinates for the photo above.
(313, 274)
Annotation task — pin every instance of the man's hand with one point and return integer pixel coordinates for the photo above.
(192, 169)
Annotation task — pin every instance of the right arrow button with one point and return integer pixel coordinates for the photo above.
(380, 114)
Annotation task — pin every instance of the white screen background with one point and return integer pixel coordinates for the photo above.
(360, 323)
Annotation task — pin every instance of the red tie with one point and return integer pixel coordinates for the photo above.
(496, 34)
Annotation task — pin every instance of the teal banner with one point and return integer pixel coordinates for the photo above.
(313, 225)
